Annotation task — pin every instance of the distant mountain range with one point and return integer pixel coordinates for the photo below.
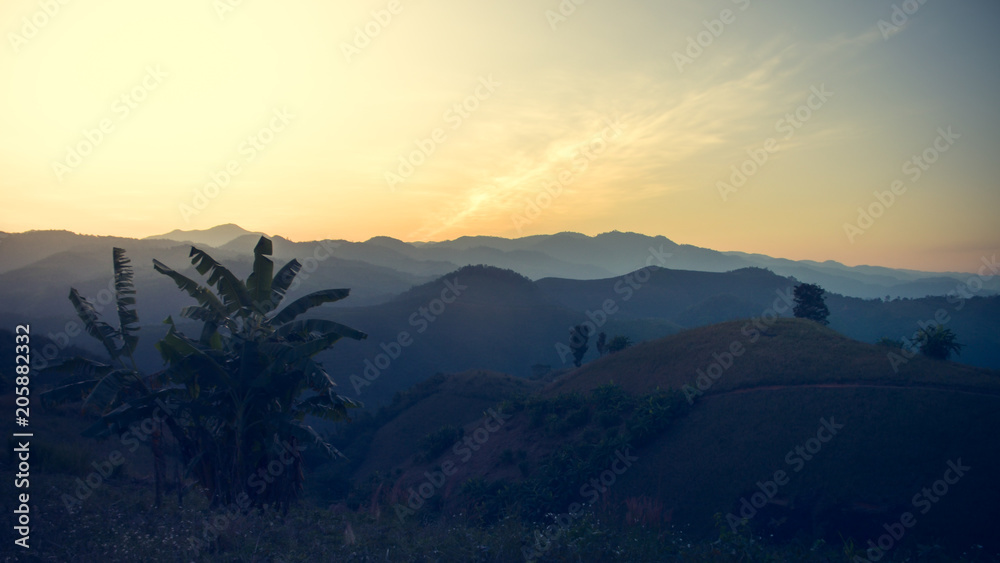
(577, 256)
(562, 255)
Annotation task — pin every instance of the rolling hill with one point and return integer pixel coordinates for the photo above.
(443, 400)
(858, 444)
(691, 299)
(476, 317)
(786, 352)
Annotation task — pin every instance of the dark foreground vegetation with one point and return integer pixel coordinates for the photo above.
(116, 524)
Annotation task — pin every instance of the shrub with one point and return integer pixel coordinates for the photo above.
(938, 342)
(619, 343)
(562, 426)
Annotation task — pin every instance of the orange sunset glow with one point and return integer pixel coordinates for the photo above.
(434, 121)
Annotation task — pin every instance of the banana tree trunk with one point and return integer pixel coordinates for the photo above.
(158, 465)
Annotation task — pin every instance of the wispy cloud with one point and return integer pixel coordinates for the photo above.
(715, 112)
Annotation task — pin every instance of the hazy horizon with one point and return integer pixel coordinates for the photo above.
(593, 235)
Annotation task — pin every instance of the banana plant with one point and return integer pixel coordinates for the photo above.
(938, 342)
(102, 384)
(250, 377)
(117, 390)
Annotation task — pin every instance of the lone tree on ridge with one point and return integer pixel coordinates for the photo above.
(810, 304)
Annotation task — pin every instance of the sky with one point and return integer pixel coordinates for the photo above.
(862, 131)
